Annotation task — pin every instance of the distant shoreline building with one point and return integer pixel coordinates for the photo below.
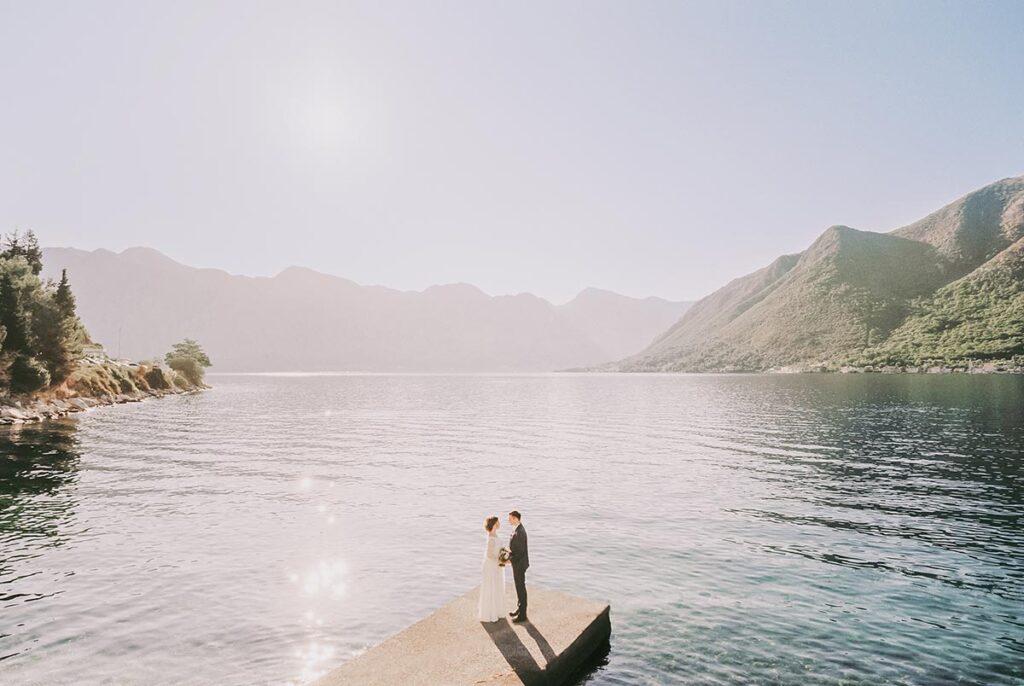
(94, 352)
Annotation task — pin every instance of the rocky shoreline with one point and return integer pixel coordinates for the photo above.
(966, 367)
(990, 368)
(28, 410)
(1014, 365)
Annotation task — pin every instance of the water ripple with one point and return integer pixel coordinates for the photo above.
(758, 530)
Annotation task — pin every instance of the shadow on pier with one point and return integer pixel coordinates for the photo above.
(526, 667)
(564, 642)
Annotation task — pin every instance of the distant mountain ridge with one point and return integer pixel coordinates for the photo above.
(138, 302)
(947, 288)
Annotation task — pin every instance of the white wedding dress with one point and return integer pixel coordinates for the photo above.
(492, 587)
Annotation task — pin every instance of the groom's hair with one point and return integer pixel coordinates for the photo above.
(515, 513)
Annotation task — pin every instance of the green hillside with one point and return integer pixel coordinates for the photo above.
(944, 289)
(980, 316)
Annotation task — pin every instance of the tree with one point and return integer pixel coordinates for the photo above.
(189, 348)
(28, 375)
(13, 315)
(27, 246)
(57, 333)
(188, 367)
(189, 359)
(57, 340)
(64, 298)
(42, 335)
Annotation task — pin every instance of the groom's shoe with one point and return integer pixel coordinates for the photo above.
(519, 619)
(514, 613)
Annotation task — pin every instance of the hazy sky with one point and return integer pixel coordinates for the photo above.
(646, 147)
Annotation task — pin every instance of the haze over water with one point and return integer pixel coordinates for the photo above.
(746, 529)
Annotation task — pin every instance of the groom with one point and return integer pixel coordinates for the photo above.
(520, 554)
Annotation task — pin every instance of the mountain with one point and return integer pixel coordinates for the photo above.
(138, 302)
(619, 324)
(947, 288)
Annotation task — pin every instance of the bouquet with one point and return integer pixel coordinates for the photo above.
(504, 556)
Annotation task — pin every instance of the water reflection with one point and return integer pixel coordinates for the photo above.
(38, 471)
(908, 462)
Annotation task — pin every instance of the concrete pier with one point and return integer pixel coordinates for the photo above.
(450, 647)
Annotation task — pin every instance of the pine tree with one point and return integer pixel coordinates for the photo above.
(41, 337)
(57, 339)
(27, 247)
(64, 298)
(13, 316)
(32, 253)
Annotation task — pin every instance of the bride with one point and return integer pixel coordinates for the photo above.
(492, 588)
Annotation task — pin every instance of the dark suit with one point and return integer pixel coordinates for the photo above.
(520, 554)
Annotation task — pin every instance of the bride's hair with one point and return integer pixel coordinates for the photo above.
(490, 522)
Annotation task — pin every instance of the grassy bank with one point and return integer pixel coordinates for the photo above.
(92, 385)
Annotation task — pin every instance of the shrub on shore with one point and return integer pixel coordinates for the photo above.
(190, 360)
(27, 375)
(157, 379)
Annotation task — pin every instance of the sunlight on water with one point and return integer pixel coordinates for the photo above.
(325, 577)
(316, 660)
(758, 530)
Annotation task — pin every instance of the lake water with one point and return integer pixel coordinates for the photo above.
(746, 529)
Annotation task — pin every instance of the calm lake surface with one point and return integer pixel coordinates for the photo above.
(746, 529)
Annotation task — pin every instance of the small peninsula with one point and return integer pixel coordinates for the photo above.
(49, 365)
